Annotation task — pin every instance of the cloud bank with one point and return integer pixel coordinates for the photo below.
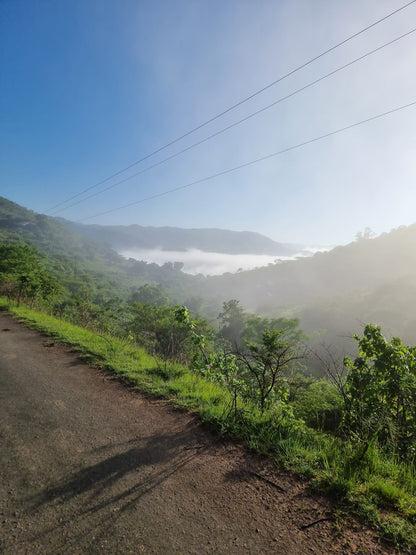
(210, 263)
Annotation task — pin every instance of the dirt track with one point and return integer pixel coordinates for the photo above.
(88, 466)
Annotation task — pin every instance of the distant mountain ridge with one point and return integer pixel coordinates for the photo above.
(179, 239)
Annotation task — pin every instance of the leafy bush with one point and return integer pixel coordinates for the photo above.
(320, 406)
(380, 393)
(23, 275)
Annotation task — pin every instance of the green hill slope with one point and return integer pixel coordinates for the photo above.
(371, 280)
(82, 264)
(362, 265)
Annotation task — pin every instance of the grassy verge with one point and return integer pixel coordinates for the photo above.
(379, 488)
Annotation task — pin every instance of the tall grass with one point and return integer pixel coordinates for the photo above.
(380, 488)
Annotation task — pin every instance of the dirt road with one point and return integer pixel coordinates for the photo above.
(88, 466)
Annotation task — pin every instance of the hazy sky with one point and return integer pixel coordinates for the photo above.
(90, 86)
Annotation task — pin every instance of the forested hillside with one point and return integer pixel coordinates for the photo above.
(84, 265)
(361, 265)
(369, 280)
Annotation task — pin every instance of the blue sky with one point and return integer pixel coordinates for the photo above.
(89, 87)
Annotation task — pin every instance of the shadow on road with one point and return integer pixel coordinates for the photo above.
(122, 474)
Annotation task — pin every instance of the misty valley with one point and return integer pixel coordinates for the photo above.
(306, 356)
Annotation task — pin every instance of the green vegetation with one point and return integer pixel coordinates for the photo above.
(352, 433)
(370, 280)
(23, 276)
(380, 392)
(84, 267)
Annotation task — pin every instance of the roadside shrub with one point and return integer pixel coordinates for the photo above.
(320, 406)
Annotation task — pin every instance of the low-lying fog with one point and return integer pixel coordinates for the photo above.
(211, 263)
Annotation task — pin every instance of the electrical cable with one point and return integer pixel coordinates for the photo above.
(237, 104)
(252, 162)
(290, 95)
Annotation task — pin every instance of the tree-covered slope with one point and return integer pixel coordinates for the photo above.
(334, 293)
(81, 263)
(360, 266)
(19, 224)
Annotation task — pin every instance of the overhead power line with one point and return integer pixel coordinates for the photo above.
(228, 127)
(252, 162)
(236, 105)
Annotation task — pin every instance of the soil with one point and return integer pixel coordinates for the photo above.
(90, 466)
